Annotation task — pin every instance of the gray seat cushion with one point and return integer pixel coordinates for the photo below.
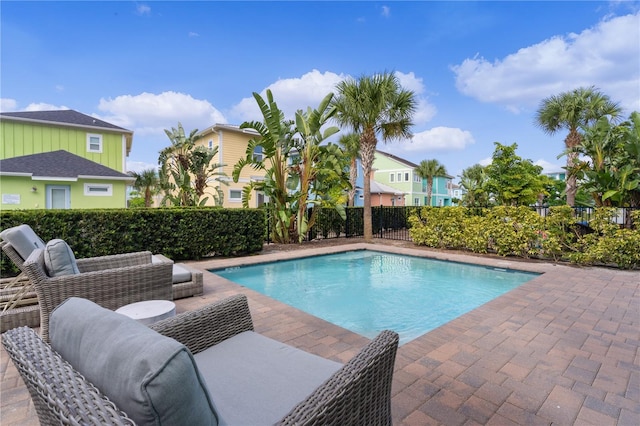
(254, 380)
(23, 239)
(150, 377)
(180, 274)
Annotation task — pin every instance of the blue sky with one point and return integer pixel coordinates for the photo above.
(479, 69)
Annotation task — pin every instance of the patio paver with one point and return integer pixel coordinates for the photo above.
(561, 349)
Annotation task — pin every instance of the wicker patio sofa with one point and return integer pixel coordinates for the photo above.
(219, 371)
(111, 281)
(20, 301)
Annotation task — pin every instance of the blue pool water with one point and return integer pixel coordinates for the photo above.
(367, 291)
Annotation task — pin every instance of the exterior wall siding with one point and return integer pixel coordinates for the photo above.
(232, 146)
(28, 138)
(17, 193)
(385, 166)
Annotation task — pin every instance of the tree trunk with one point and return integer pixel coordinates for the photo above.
(429, 191)
(367, 155)
(572, 140)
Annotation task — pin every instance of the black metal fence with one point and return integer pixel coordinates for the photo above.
(392, 222)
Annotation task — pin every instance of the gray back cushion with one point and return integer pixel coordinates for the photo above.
(23, 239)
(150, 377)
(59, 259)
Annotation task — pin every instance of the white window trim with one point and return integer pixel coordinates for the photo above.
(234, 199)
(94, 135)
(88, 192)
(399, 176)
(392, 177)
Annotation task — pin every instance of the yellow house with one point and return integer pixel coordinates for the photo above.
(232, 142)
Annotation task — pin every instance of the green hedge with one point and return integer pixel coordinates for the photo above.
(178, 233)
(520, 231)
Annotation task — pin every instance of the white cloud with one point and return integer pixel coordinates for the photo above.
(386, 11)
(143, 9)
(7, 104)
(139, 166)
(193, 34)
(424, 111)
(290, 94)
(150, 114)
(548, 167)
(59, 88)
(606, 56)
(486, 161)
(440, 139)
(41, 106)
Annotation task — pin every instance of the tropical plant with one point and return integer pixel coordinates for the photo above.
(513, 181)
(572, 110)
(374, 106)
(350, 144)
(610, 162)
(473, 180)
(299, 171)
(186, 171)
(429, 169)
(147, 184)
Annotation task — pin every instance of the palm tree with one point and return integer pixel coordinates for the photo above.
(474, 180)
(429, 169)
(371, 106)
(183, 161)
(350, 144)
(147, 183)
(572, 110)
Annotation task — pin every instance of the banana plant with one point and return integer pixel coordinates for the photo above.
(293, 159)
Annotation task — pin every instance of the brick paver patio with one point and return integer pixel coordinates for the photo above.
(562, 349)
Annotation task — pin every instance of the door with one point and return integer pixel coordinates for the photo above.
(58, 197)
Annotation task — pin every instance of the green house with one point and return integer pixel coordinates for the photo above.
(399, 173)
(62, 159)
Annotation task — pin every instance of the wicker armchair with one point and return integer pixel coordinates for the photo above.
(18, 300)
(359, 393)
(110, 281)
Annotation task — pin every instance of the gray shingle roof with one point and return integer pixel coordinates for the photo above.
(60, 164)
(67, 116)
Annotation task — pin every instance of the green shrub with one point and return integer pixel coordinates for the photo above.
(522, 232)
(178, 233)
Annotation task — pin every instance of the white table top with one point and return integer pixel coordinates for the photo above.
(149, 311)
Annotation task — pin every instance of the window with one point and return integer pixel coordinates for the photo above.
(399, 177)
(416, 201)
(210, 144)
(406, 176)
(94, 143)
(417, 178)
(98, 189)
(235, 195)
(391, 177)
(257, 153)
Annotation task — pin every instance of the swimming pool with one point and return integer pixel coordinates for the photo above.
(367, 291)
